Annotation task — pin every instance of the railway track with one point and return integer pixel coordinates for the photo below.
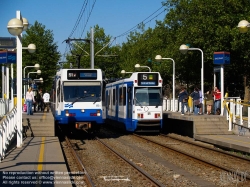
(241, 171)
(114, 159)
(129, 173)
(78, 174)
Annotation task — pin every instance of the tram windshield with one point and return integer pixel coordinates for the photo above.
(145, 96)
(82, 91)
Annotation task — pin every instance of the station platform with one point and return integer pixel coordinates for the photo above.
(39, 162)
(211, 129)
(231, 142)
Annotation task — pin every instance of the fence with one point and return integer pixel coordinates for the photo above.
(233, 111)
(8, 127)
(235, 115)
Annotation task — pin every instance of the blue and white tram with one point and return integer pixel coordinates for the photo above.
(77, 98)
(135, 103)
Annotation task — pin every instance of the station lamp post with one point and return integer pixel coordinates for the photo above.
(159, 58)
(37, 67)
(243, 26)
(38, 80)
(15, 27)
(139, 66)
(38, 72)
(184, 49)
(124, 72)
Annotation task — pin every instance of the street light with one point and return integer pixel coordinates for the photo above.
(124, 72)
(38, 80)
(36, 66)
(184, 49)
(243, 26)
(15, 27)
(159, 58)
(139, 66)
(38, 72)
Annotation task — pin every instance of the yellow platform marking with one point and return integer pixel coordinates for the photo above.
(231, 139)
(40, 160)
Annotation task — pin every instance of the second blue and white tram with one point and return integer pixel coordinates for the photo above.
(77, 98)
(135, 103)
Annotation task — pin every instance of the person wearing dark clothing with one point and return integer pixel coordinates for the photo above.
(183, 98)
(40, 101)
(209, 102)
(196, 100)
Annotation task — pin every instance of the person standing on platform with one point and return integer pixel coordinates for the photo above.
(196, 100)
(46, 98)
(209, 102)
(29, 100)
(217, 100)
(200, 106)
(183, 98)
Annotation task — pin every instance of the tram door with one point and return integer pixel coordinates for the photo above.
(129, 103)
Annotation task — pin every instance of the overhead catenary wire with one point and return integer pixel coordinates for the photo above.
(88, 17)
(79, 17)
(136, 26)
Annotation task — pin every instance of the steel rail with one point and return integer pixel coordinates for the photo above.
(191, 156)
(152, 179)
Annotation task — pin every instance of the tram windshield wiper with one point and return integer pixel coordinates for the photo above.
(79, 98)
(138, 102)
(97, 100)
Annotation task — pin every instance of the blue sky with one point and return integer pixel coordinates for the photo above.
(60, 16)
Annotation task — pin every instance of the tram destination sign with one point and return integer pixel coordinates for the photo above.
(147, 79)
(7, 42)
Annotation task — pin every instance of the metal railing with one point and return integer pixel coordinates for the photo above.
(4, 106)
(8, 127)
(234, 113)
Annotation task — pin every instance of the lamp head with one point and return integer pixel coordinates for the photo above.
(41, 79)
(123, 71)
(183, 49)
(158, 58)
(39, 72)
(31, 48)
(137, 66)
(243, 26)
(25, 24)
(15, 27)
(37, 66)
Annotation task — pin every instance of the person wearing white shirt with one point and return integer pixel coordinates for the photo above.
(46, 98)
(29, 101)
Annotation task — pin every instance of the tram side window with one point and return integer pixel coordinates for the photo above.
(124, 90)
(58, 91)
(113, 96)
(108, 99)
(120, 97)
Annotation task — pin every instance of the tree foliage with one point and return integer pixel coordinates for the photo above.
(46, 54)
(208, 25)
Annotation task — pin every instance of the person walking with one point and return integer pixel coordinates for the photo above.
(183, 98)
(46, 100)
(217, 100)
(29, 99)
(196, 100)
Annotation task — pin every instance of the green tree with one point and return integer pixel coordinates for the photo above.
(46, 54)
(210, 26)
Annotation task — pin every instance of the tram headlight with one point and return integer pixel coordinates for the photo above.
(66, 113)
(82, 110)
(98, 113)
